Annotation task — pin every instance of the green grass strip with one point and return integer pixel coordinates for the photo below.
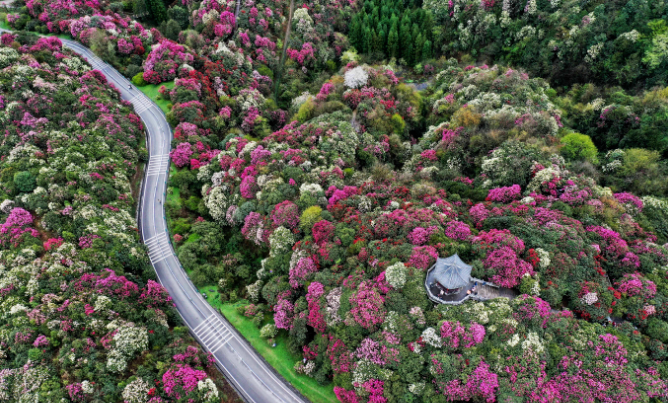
(151, 91)
(278, 357)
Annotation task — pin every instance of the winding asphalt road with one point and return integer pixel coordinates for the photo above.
(252, 377)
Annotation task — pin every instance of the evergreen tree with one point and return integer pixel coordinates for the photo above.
(426, 50)
(354, 35)
(393, 42)
(391, 27)
(382, 37)
(367, 40)
(408, 54)
(156, 10)
(419, 43)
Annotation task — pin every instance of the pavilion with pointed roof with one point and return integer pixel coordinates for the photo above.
(449, 274)
(449, 281)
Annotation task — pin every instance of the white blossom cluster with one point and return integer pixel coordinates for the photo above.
(280, 241)
(253, 290)
(355, 78)
(533, 343)
(136, 391)
(301, 100)
(416, 388)
(365, 370)
(7, 56)
(303, 21)
(208, 389)
(430, 337)
(333, 299)
(395, 275)
(589, 298)
(616, 158)
(129, 339)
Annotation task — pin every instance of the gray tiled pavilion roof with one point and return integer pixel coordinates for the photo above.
(451, 272)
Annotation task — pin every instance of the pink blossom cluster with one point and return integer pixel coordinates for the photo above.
(368, 307)
(531, 309)
(480, 385)
(286, 214)
(457, 230)
(181, 378)
(636, 285)
(303, 56)
(455, 336)
(253, 228)
(630, 200)
(323, 231)
(181, 155)
(283, 314)
(420, 236)
(423, 257)
(315, 317)
(505, 194)
(302, 269)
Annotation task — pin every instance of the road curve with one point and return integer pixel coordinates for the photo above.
(253, 378)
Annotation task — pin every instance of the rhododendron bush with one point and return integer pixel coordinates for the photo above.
(320, 208)
(118, 39)
(341, 245)
(85, 319)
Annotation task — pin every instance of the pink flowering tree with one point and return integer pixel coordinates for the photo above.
(286, 214)
(180, 380)
(181, 155)
(368, 308)
(315, 317)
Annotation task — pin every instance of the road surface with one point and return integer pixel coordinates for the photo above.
(251, 376)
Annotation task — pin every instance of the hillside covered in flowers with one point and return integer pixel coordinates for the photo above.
(314, 183)
(83, 319)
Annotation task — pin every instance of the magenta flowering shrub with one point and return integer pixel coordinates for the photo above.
(423, 257)
(456, 337)
(532, 311)
(165, 60)
(636, 285)
(73, 147)
(367, 306)
(630, 201)
(315, 317)
(180, 155)
(283, 314)
(480, 384)
(457, 230)
(180, 380)
(286, 214)
(301, 271)
(504, 194)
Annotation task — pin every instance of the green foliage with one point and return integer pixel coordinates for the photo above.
(170, 29)
(138, 80)
(386, 28)
(180, 15)
(398, 123)
(156, 10)
(658, 329)
(578, 146)
(309, 217)
(306, 111)
(24, 181)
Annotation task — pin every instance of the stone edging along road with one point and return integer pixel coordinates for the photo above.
(253, 378)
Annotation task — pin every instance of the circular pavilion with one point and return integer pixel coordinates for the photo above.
(447, 277)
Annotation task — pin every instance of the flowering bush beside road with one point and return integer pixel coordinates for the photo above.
(83, 318)
(315, 195)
